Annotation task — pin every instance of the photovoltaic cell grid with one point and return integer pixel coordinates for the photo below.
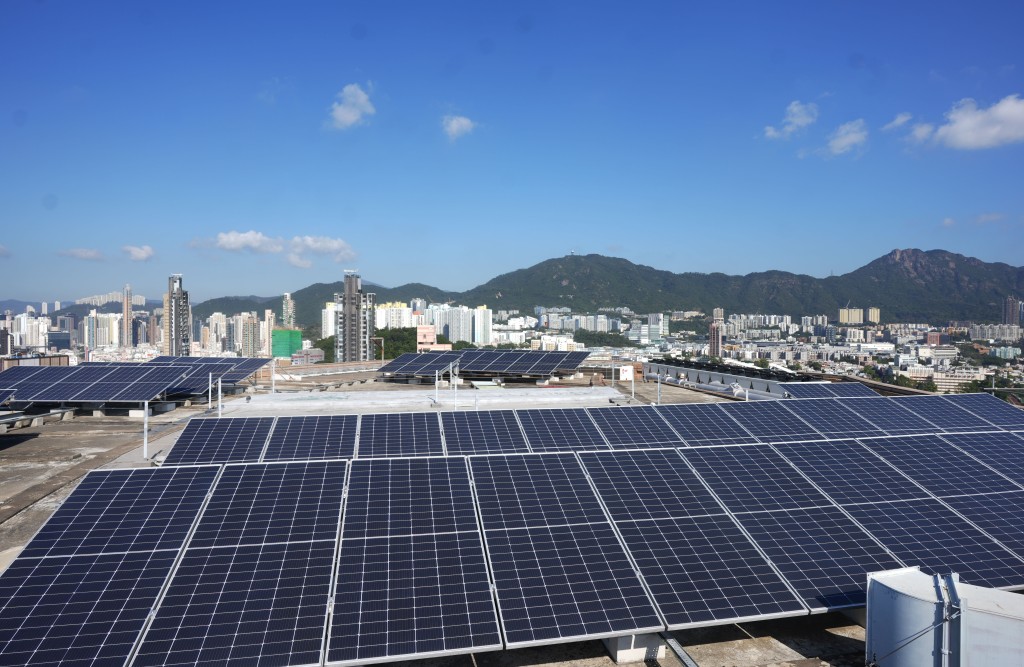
(770, 421)
(887, 416)
(633, 426)
(400, 434)
(829, 418)
(483, 432)
(560, 429)
(1002, 451)
(807, 389)
(505, 362)
(704, 425)
(852, 390)
(306, 438)
(221, 441)
(5, 394)
(944, 414)
(412, 575)
(991, 409)
(1001, 515)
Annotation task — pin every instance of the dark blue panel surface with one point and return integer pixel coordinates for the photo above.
(642, 426)
(1001, 515)
(648, 484)
(831, 419)
(807, 389)
(887, 416)
(560, 429)
(80, 611)
(221, 441)
(273, 502)
(852, 390)
(1002, 451)
(991, 409)
(251, 605)
(770, 421)
(704, 570)
(306, 438)
(566, 582)
(482, 432)
(399, 434)
(943, 413)
(704, 425)
(391, 497)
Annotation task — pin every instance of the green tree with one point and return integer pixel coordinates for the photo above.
(327, 345)
(600, 339)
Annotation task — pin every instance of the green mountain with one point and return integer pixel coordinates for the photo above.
(907, 285)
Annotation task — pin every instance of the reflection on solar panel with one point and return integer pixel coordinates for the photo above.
(79, 610)
(423, 589)
(125, 510)
(821, 552)
(751, 478)
(564, 583)
(1002, 451)
(991, 409)
(560, 429)
(221, 441)
(633, 426)
(648, 484)
(273, 502)
(831, 419)
(400, 434)
(940, 412)
(888, 416)
(482, 432)
(938, 466)
(850, 473)
(807, 389)
(926, 533)
(305, 438)
(243, 605)
(704, 569)
(704, 425)
(533, 490)
(770, 421)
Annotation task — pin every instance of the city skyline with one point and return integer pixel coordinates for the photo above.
(454, 143)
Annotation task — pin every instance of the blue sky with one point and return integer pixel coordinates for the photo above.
(257, 148)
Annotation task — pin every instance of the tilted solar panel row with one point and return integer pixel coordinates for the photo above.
(499, 362)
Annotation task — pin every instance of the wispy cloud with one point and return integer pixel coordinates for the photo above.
(270, 90)
(899, 121)
(4, 252)
(968, 127)
(798, 116)
(848, 136)
(296, 250)
(457, 126)
(88, 254)
(988, 218)
(139, 253)
(352, 106)
(920, 133)
(948, 222)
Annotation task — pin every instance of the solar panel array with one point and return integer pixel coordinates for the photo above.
(496, 362)
(827, 390)
(493, 545)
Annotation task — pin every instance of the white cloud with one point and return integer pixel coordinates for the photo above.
(456, 126)
(921, 132)
(88, 254)
(352, 105)
(337, 249)
(139, 253)
(986, 218)
(298, 261)
(252, 241)
(969, 128)
(948, 222)
(797, 116)
(4, 252)
(899, 121)
(848, 136)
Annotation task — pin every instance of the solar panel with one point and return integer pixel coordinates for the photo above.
(648, 484)
(821, 552)
(243, 369)
(991, 409)
(939, 411)
(389, 497)
(400, 434)
(927, 533)
(243, 605)
(273, 502)
(125, 510)
(560, 429)
(829, 418)
(807, 389)
(482, 432)
(412, 595)
(938, 466)
(633, 426)
(849, 472)
(751, 478)
(221, 441)
(705, 570)
(80, 610)
(566, 583)
(1002, 451)
(770, 421)
(704, 425)
(852, 390)
(1001, 515)
(533, 490)
(16, 374)
(887, 416)
(306, 438)
(5, 394)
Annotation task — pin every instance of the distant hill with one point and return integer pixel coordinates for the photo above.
(907, 285)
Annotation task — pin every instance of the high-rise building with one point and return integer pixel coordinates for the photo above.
(126, 318)
(851, 316)
(354, 320)
(177, 320)
(716, 333)
(1011, 310)
(287, 311)
(874, 315)
(250, 330)
(482, 323)
(328, 321)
